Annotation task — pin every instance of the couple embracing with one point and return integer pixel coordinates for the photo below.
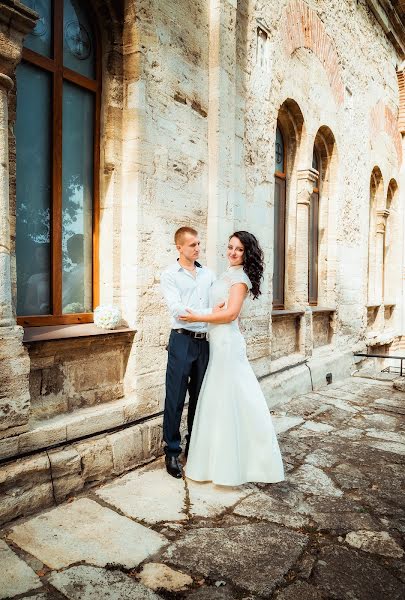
(233, 439)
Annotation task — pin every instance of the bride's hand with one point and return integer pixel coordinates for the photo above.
(218, 307)
(191, 317)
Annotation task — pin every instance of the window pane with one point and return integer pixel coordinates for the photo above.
(33, 140)
(77, 198)
(279, 151)
(279, 242)
(313, 248)
(78, 40)
(40, 39)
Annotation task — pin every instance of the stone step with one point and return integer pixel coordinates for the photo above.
(43, 479)
(64, 428)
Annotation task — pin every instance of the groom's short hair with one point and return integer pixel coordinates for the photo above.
(179, 235)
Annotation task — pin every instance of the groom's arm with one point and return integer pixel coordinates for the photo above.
(173, 298)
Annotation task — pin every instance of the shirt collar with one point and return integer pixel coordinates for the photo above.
(177, 266)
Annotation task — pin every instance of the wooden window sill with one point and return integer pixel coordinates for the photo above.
(59, 332)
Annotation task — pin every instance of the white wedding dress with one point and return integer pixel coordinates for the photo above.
(233, 439)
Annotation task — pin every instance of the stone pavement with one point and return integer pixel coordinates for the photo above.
(334, 529)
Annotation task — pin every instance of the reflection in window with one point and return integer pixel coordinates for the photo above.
(279, 221)
(33, 137)
(77, 193)
(78, 40)
(314, 234)
(40, 39)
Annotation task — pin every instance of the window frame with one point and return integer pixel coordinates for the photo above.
(280, 178)
(59, 73)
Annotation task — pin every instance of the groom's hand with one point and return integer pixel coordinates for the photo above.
(218, 307)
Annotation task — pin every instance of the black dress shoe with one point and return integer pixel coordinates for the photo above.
(173, 467)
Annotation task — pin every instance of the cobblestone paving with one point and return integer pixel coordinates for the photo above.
(335, 529)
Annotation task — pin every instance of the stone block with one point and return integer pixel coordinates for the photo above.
(102, 370)
(96, 459)
(65, 462)
(151, 496)
(66, 486)
(26, 487)
(65, 535)
(159, 576)
(15, 575)
(8, 447)
(266, 552)
(88, 583)
(127, 448)
(14, 383)
(43, 436)
(95, 421)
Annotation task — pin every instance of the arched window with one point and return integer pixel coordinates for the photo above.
(376, 240)
(279, 220)
(57, 146)
(313, 237)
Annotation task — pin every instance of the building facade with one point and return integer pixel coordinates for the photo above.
(121, 121)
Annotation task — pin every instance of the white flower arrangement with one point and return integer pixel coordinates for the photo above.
(107, 316)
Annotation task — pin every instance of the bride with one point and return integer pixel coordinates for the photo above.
(233, 440)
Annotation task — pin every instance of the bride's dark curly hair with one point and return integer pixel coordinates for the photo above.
(253, 263)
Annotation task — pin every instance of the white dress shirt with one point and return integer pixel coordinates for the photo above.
(181, 291)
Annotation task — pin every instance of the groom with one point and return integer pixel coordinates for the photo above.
(185, 284)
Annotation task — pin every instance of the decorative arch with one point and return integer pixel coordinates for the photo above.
(302, 28)
(290, 124)
(376, 229)
(323, 219)
(384, 120)
(392, 249)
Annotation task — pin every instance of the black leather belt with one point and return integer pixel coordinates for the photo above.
(194, 334)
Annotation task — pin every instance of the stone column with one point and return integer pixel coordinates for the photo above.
(221, 128)
(15, 21)
(306, 180)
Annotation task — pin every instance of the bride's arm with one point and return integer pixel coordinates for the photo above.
(237, 295)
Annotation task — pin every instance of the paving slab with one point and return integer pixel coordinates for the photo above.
(254, 557)
(282, 424)
(209, 500)
(344, 573)
(149, 496)
(393, 447)
(91, 583)
(262, 506)
(375, 542)
(158, 576)
(313, 480)
(85, 531)
(318, 426)
(212, 593)
(301, 590)
(16, 577)
(321, 458)
(39, 597)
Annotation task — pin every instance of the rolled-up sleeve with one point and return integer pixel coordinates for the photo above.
(171, 295)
